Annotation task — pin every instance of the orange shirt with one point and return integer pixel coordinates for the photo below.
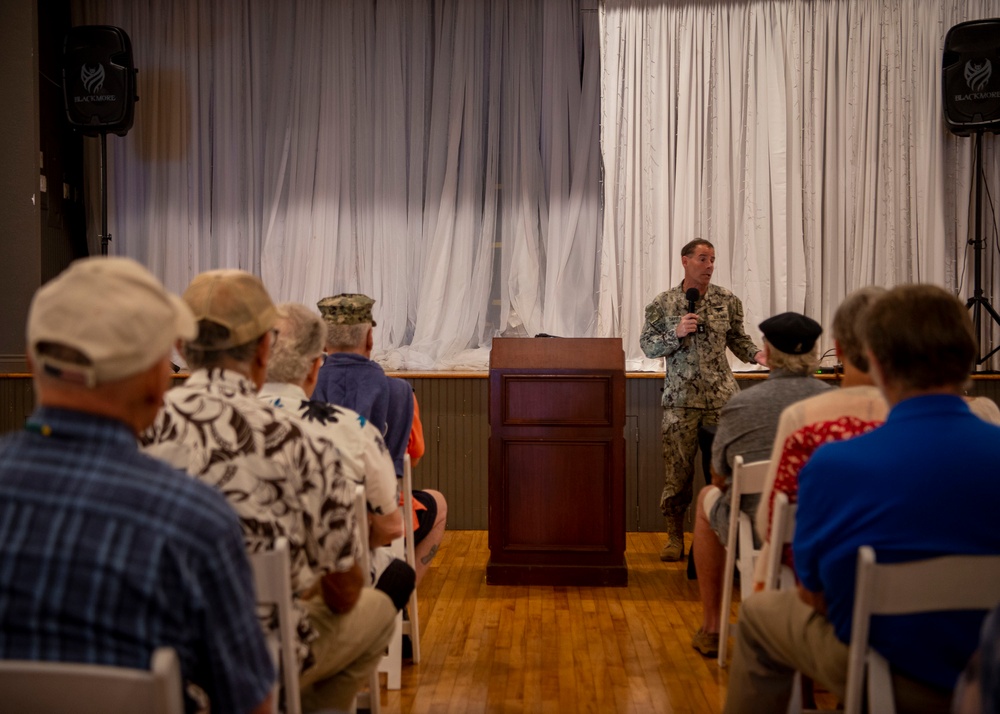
(415, 448)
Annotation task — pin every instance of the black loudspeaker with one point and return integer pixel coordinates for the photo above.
(970, 81)
(99, 80)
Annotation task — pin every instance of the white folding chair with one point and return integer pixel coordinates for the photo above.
(58, 687)
(402, 548)
(273, 583)
(411, 628)
(781, 577)
(392, 662)
(372, 699)
(957, 582)
(748, 479)
(776, 575)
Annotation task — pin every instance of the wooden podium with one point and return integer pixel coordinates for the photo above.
(557, 462)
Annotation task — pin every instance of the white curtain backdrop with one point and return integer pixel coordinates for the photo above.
(445, 157)
(804, 138)
(441, 157)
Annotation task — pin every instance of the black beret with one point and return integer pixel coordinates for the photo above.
(791, 332)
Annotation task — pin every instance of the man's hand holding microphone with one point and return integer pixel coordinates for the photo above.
(689, 323)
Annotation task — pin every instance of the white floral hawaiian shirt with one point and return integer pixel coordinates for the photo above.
(280, 479)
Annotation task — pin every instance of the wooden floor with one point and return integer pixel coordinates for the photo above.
(493, 648)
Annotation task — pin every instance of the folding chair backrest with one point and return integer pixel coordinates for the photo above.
(403, 548)
(956, 582)
(781, 577)
(782, 528)
(412, 627)
(58, 687)
(748, 479)
(273, 582)
(373, 697)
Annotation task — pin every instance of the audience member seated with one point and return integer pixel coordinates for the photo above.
(349, 377)
(856, 408)
(890, 489)
(353, 380)
(746, 428)
(107, 553)
(291, 378)
(281, 479)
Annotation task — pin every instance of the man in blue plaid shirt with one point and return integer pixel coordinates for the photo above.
(105, 552)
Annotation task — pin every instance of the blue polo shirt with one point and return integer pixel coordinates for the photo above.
(925, 484)
(106, 554)
(356, 382)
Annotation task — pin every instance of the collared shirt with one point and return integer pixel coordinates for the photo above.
(364, 455)
(356, 382)
(281, 479)
(697, 373)
(749, 421)
(798, 447)
(921, 485)
(106, 554)
(747, 424)
(864, 402)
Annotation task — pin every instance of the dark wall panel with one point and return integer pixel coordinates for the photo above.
(20, 199)
(17, 399)
(454, 412)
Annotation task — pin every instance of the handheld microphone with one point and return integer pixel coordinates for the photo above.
(692, 296)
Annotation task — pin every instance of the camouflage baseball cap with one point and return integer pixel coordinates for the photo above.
(347, 309)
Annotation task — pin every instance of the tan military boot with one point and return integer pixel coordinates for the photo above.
(673, 549)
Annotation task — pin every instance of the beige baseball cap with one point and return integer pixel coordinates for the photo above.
(112, 311)
(235, 299)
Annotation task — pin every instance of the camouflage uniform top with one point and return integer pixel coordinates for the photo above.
(697, 372)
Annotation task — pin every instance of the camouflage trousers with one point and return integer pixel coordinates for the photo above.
(680, 446)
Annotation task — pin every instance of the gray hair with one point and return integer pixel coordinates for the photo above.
(802, 365)
(347, 337)
(200, 355)
(300, 342)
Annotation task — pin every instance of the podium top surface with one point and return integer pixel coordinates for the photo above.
(604, 353)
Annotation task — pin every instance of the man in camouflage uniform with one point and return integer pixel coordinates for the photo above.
(698, 378)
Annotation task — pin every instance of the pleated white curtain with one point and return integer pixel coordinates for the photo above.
(804, 138)
(442, 157)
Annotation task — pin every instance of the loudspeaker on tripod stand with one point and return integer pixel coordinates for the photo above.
(99, 80)
(970, 89)
(970, 81)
